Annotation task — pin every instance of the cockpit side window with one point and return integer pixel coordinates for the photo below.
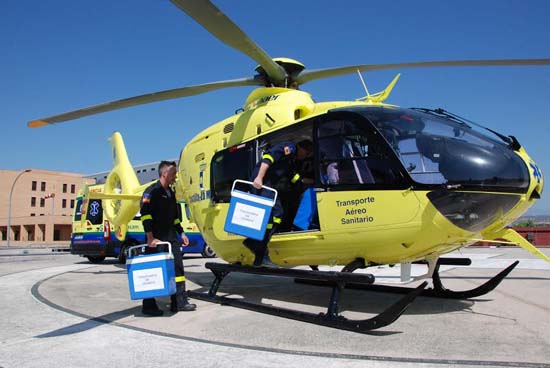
(352, 154)
(438, 150)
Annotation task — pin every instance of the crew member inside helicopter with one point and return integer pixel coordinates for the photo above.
(278, 169)
(342, 159)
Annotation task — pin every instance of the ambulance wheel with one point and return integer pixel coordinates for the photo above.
(123, 248)
(122, 254)
(208, 252)
(95, 259)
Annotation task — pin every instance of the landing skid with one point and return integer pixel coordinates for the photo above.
(331, 318)
(438, 290)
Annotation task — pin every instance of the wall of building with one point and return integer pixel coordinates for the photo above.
(42, 204)
(145, 173)
(538, 236)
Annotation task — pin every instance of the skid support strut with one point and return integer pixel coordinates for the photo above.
(331, 318)
(437, 291)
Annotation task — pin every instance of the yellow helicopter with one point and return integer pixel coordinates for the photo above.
(390, 185)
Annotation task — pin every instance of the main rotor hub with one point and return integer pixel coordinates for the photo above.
(292, 69)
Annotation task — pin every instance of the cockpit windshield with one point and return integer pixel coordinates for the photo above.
(441, 150)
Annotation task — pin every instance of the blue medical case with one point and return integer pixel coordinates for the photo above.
(151, 275)
(248, 213)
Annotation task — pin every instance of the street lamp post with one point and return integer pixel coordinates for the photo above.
(9, 205)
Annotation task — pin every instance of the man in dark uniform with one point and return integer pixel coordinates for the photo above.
(277, 169)
(161, 218)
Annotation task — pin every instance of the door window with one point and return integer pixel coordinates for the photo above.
(352, 154)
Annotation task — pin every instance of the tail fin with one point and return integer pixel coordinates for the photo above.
(121, 180)
(122, 165)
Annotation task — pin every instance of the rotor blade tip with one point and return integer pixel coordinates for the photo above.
(36, 123)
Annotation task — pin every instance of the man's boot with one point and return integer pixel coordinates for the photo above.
(179, 301)
(259, 257)
(266, 262)
(150, 308)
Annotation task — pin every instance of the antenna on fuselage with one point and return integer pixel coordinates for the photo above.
(381, 96)
(364, 84)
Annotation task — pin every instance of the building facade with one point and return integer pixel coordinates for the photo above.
(145, 173)
(42, 204)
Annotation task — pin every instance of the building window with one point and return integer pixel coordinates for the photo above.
(34, 185)
(43, 186)
(33, 201)
(72, 203)
(64, 188)
(33, 214)
(42, 202)
(64, 203)
(73, 189)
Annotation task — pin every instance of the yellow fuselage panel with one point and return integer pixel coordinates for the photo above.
(350, 210)
(381, 226)
(398, 227)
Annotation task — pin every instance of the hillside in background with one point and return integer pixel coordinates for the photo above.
(532, 221)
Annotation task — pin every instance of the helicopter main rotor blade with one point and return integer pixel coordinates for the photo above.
(144, 99)
(310, 75)
(218, 24)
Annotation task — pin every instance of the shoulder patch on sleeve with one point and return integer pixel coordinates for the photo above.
(146, 198)
(288, 150)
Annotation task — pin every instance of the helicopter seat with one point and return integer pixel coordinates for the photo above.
(354, 172)
(344, 162)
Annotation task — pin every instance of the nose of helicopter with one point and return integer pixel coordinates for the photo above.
(537, 180)
(478, 210)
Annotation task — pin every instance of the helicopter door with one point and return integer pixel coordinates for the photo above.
(361, 179)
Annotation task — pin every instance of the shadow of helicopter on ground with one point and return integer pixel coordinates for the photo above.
(90, 322)
(284, 292)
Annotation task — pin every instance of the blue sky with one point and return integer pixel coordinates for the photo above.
(62, 55)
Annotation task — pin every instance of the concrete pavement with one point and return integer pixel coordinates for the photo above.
(83, 314)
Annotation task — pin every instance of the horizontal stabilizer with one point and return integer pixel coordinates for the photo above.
(114, 196)
(513, 237)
